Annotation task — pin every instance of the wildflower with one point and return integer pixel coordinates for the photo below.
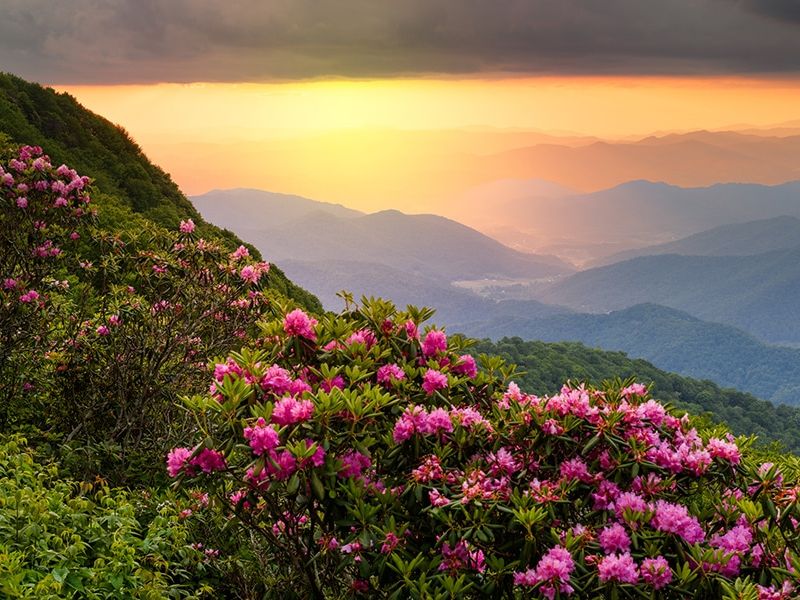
(614, 538)
(433, 380)
(618, 567)
(466, 366)
(289, 410)
(176, 460)
(435, 342)
(262, 437)
(187, 226)
(299, 324)
(656, 572)
(390, 374)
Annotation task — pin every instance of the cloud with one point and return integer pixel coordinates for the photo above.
(140, 41)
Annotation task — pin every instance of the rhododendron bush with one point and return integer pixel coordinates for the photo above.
(364, 454)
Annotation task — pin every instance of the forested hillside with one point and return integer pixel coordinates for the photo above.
(127, 181)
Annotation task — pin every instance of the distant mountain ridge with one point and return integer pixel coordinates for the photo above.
(427, 245)
(756, 293)
(635, 214)
(738, 239)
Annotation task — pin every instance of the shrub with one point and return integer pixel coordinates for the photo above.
(59, 539)
(366, 457)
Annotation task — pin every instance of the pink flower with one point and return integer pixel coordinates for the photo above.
(299, 324)
(22, 202)
(433, 380)
(290, 410)
(411, 330)
(176, 460)
(334, 382)
(618, 567)
(675, 518)
(239, 253)
(187, 226)
(276, 380)
(250, 274)
(614, 538)
(466, 366)
(437, 499)
(553, 572)
(656, 572)
(262, 437)
(389, 543)
(353, 464)
(726, 450)
(435, 341)
(363, 336)
(438, 421)
(102, 330)
(209, 460)
(391, 373)
(30, 296)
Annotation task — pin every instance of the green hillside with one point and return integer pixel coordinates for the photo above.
(545, 366)
(128, 181)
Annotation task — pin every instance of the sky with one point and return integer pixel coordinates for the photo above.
(372, 102)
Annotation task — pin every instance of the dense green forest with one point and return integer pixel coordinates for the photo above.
(545, 366)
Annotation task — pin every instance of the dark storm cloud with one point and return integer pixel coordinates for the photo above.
(137, 41)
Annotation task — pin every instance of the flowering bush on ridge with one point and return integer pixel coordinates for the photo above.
(370, 456)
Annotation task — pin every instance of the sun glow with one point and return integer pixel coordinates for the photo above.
(399, 142)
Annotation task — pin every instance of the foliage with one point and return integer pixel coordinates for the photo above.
(131, 184)
(545, 366)
(59, 539)
(367, 458)
(101, 330)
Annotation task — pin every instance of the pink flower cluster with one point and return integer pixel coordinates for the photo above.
(298, 324)
(207, 460)
(552, 572)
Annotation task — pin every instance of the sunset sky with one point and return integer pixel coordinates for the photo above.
(372, 103)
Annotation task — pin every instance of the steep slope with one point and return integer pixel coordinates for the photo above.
(753, 237)
(671, 340)
(755, 293)
(545, 366)
(426, 245)
(124, 177)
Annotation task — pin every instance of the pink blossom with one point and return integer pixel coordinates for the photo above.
(363, 336)
(290, 410)
(618, 567)
(614, 538)
(333, 382)
(353, 464)
(176, 460)
(250, 274)
(22, 202)
(262, 437)
(187, 226)
(390, 542)
(726, 450)
(102, 330)
(437, 421)
(299, 324)
(239, 253)
(656, 572)
(411, 330)
(437, 499)
(553, 572)
(209, 460)
(435, 341)
(30, 296)
(466, 366)
(391, 373)
(433, 380)
(276, 380)
(675, 518)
